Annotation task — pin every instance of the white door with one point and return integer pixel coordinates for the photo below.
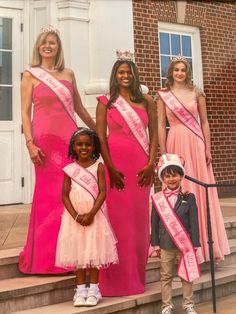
(10, 121)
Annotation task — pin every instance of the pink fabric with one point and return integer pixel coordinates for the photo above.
(52, 129)
(128, 210)
(186, 144)
(188, 268)
(79, 246)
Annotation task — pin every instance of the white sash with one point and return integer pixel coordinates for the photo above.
(181, 113)
(188, 267)
(58, 88)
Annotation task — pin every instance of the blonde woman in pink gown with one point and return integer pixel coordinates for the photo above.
(129, 173)
(184, 106)
(52, 89)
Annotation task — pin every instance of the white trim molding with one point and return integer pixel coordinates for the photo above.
(194, 32)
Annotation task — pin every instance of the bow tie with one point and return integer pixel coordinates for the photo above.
(170, 193)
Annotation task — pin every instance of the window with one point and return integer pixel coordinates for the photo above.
(6, 69)
(174, 40)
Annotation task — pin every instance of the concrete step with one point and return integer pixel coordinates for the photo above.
(9, 264)
(146, 303)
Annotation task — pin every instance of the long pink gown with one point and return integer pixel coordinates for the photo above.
(128, 210)
(185, 143)
(52, 129)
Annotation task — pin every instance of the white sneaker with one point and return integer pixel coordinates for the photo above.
(93, 297)
(167, 310)
(80, 296)
(189, 309)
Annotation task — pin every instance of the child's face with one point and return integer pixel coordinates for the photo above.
(172, 180)
(83, 147)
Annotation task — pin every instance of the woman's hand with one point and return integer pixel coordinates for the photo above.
(36, 155)
(116, 178)
(146, 176)
(208, 157)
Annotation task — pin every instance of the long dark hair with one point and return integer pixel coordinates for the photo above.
(93, 136)
(135, 88)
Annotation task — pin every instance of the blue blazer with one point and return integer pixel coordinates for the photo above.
(186, 209)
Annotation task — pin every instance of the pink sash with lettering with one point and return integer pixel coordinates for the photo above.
(188, 267)
(181, 113)
(58, 88)
(86, 180)
(133, 121)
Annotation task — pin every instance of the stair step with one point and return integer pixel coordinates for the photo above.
(146, 303)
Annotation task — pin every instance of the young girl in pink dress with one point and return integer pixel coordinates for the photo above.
(85, 241)
(184, 106)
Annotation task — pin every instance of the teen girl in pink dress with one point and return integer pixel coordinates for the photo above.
(52, 89)
(129, 159)
(184, 106)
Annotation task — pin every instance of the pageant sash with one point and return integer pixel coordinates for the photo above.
(83, 177)
(87, 181)
(58, 88)
(182, 113)
(188, 267)
(134, 122)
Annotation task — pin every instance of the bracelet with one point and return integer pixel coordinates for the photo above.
(76, 216)
(28, 141)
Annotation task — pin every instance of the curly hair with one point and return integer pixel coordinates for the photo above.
(135, 87)
(169, 73)
(93, 136)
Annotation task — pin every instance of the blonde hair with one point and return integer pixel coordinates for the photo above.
(169, 73)
(37, 59)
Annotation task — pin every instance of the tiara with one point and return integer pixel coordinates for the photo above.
(125, 55)
(49, 29)
(179, 58)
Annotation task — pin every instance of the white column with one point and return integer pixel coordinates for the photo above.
(73, 19)
(110, 29)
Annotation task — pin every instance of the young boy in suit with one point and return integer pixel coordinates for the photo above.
(176, 233)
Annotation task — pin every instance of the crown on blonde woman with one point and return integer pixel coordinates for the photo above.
(125, 55)
(179, 58)
(49, 29)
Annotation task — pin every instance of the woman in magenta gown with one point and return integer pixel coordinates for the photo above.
(129, 174)
(47, 137)
(191, 140)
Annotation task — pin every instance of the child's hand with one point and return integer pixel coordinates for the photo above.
(116, 178)
(146, 176)
(87, 219)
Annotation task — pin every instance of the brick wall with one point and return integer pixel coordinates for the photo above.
(217, 23)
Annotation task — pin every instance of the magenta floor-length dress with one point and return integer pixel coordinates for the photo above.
(52, 129)
(128, 210)
(185, 143)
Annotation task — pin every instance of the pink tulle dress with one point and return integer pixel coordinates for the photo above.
(128, 210)
(185, 143)
(52, 130)
(81, 247)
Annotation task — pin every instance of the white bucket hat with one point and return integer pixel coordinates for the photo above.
(169, 160)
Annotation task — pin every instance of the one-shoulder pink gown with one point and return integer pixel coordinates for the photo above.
(128, 210)
(52, 129)
(185, 143)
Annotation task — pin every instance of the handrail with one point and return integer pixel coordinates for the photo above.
(210, 241)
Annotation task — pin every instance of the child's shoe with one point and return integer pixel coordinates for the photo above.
(93, 296)
(189, 309)
(167, 310)
(80, 296)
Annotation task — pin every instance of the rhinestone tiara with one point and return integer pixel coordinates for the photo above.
(179, 58)
(49, 29)
(124, 55)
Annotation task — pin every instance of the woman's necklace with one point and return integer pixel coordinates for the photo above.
(48, 70)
